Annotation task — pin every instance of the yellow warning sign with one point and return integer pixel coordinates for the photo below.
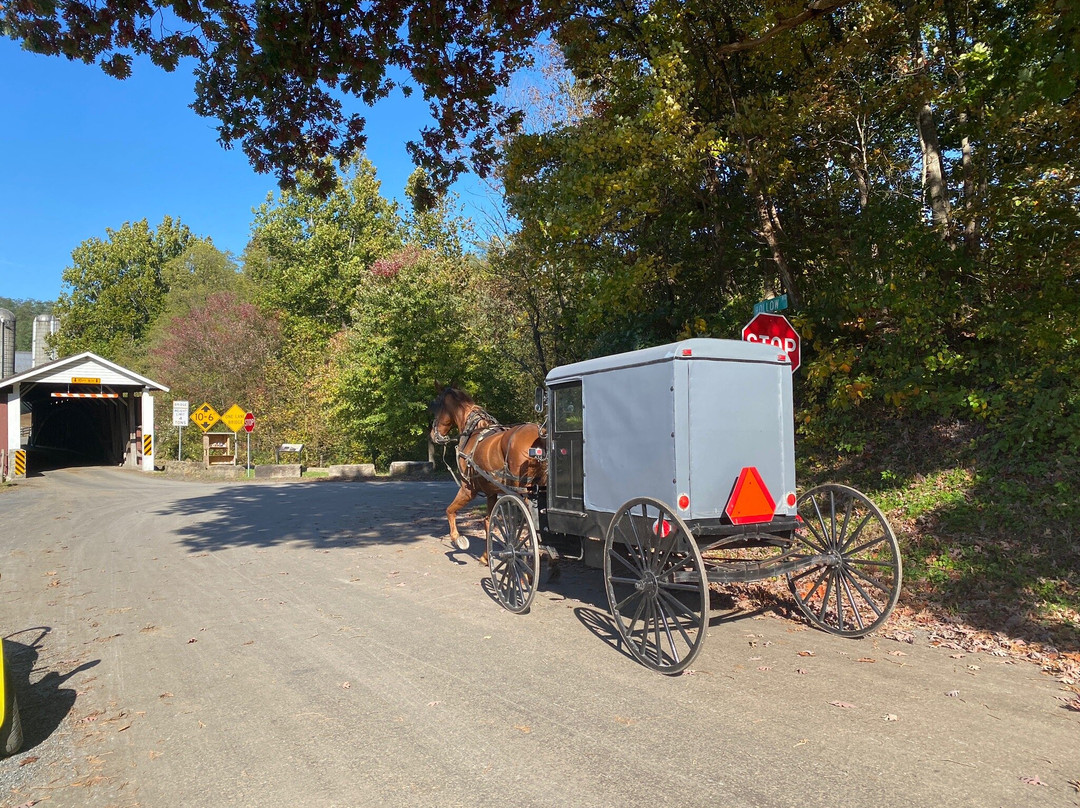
(20, 463)
(147, 445)
(234, 418)
(205, 417)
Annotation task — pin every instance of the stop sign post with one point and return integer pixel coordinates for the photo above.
(775, 330)
(249, 426)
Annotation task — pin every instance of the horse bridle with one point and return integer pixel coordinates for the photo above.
(476, 416)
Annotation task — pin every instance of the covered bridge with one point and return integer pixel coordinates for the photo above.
(81, 410)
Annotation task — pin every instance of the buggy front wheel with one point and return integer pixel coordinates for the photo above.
(513, 553)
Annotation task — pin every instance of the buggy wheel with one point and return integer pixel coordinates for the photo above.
(656, 585)
(856, 587)
(513, 553)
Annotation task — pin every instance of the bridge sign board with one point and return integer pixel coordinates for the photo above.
(775, 329)
(180, 413)
(234, 418)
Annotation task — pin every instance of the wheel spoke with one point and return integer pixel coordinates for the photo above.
(844, 525)
(855, 535)
(865, 595)
(667, 632)
(839, 600)
(674, 602)
(626, 562)
(865, 546)
(817, 583)
(851, 599)
(884, 587)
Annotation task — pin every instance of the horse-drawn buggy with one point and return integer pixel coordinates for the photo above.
(682, 459)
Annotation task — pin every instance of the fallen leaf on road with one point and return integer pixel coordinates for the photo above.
(866, 659)
(152, 754)
(1075, 784)
(953, 694)
(801, 671)
(192, 640)
(764, 668)
(1032, 781)
(627, 721)
(842, 704)
(807, 653)
(891, 717)
(803, 741)
(973, 667)
(28, 761)
(956, 656)
(524, 729)
(346, 685)
(165, 696)
(433, 703)
(897, 653)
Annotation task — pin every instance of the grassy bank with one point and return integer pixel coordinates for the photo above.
(992, 542)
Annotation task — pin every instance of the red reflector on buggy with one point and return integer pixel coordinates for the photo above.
(750, 501)
(687, 352)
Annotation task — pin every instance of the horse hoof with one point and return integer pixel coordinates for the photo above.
(461, 542)
(484, 558)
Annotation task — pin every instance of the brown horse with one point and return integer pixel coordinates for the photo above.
(487, 452)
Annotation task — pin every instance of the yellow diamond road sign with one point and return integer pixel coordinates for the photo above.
(205, 417)
(234, 418)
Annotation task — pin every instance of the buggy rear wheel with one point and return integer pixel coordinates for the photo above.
(854, 591)
(656, 585)
(513, 553)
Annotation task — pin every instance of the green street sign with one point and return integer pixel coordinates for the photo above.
(772, 304)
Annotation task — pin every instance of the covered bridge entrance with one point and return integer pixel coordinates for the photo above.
(82, 410)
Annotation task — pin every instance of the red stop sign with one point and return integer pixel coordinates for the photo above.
(775, 330)
(249, 422)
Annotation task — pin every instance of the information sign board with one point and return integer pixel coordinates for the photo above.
(180, 413)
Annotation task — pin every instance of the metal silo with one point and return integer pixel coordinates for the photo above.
(7, 344)
(44, 326)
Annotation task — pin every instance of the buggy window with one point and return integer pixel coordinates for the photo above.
(568, 408)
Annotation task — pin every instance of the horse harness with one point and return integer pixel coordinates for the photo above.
(482, 424)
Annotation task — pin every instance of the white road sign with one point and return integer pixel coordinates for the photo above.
(179, 413)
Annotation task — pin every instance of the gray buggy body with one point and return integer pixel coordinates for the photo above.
(676, 422)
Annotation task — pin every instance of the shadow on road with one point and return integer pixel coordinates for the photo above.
(44, 704)
(319, 515)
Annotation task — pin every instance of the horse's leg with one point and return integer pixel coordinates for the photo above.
(491, 499)
(463, 498)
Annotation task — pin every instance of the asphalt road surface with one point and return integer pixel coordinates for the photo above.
(321, 644)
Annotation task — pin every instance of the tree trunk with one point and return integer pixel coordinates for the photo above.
(971, 219)
(769, 222)
(934, 170)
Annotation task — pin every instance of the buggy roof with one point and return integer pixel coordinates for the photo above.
(723, 350)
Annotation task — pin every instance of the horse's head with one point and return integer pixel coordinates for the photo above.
(448, 412)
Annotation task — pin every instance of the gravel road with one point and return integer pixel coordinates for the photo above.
(185, 643)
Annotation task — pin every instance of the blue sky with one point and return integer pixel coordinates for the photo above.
(85, 152)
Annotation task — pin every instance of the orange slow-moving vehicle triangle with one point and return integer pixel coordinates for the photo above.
(751, 501)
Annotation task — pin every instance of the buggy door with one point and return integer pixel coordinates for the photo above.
(566, 481)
